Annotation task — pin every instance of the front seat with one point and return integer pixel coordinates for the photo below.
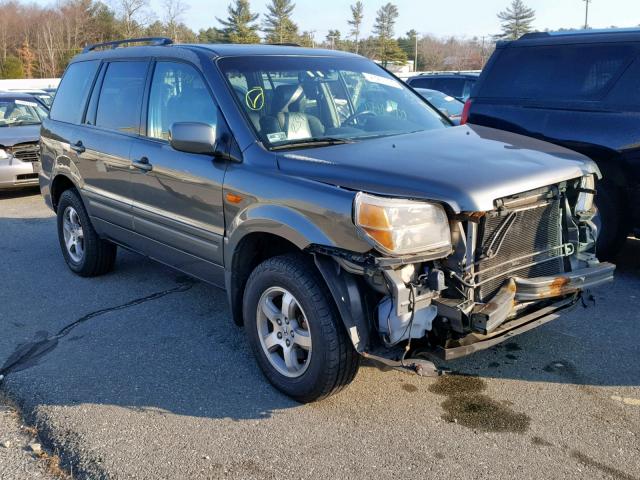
(288, 116)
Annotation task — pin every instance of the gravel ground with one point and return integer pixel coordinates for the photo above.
(17, 458)
(141, 374)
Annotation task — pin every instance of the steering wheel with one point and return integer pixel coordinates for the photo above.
(352, 119)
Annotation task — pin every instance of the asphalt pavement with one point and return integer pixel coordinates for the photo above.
(142, 374)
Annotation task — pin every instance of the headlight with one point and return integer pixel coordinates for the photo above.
(398, 226)
(584, 204)
(4, 154)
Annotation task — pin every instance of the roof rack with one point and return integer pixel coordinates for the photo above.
(450, 72)
(155, 41)
(588, 31)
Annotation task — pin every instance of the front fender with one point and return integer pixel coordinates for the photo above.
(292, 225)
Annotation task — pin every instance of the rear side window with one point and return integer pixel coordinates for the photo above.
(71, 96)
(451, 86)
(121, 96)
(559, 72)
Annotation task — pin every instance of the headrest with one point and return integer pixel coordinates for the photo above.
(285, 96)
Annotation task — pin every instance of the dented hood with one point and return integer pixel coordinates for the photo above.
(467, 167)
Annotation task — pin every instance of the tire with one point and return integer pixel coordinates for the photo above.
(330, 362)
(613, 229)
(92, 256)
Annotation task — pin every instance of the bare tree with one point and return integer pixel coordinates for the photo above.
(174, 12)
(133, 14)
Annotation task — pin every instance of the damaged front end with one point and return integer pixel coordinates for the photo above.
(504, 272)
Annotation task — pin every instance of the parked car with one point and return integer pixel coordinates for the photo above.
(456, 84)
(384, 233)
(43, 97)
(579, 90)
(449, 106)
(20, 119)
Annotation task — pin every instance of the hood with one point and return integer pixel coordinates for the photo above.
(10, 136)
(467, 167)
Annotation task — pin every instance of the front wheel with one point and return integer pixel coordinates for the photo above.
(295, 330)
(609, 218)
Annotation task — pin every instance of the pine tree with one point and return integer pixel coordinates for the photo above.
(388, 48)
(239, 27)
(11, 68)
(516, 20)
(278, 24)
(333, 39)
(357, 15)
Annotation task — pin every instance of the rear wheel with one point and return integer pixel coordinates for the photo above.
(612, 229)
(84, 251)
(295, 330)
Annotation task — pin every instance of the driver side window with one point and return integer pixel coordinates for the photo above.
(178, 94)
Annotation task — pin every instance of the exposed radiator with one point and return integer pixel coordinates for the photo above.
(526, 243)
(27, 152)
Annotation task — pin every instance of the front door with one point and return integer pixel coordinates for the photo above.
(177, 196)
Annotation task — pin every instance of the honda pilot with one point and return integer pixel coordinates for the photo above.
(344, 216)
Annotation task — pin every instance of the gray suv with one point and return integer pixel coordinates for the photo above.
(344, 216)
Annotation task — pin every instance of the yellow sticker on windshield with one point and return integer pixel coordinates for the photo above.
(255, 98)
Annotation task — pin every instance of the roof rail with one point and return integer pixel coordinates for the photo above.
(155, 41)
(286, 44)
(588, 31)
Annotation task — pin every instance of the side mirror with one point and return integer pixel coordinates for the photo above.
(193, 137)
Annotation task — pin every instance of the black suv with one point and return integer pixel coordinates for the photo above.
(456, 84)
(581, 90)
(343, 214)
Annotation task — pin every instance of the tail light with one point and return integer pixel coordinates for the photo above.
(465, 112)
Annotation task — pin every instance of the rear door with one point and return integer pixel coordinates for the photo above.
(178, 196)
(103, 143)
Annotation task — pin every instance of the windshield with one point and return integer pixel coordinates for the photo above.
(294, 99)
(45, 98)
(16, 112)
(450, 106)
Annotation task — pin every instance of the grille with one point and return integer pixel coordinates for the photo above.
(27, 152)
(27, 176)
(534, 237)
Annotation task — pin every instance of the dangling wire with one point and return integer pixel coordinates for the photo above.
(412, 300)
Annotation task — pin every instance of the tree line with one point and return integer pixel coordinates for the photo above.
(39, 41)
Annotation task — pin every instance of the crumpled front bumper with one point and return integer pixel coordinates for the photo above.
(489, 321)
(15, 173)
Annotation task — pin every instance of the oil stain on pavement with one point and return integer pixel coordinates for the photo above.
(468, 406)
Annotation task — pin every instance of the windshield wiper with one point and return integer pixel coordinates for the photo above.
(312, 142)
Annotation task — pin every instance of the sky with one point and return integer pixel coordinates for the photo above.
(443, 18)
(463, 18)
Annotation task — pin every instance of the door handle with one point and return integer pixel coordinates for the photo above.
(77, 147)
(142, 164)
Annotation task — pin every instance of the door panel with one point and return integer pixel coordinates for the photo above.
(179, 202)
(104, 142)
(105, 167)
(178, 196)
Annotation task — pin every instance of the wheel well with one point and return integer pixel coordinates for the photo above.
(252, 250)
(59, 185)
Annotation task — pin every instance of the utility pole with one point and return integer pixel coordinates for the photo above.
(586, 13)
(415, 59)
